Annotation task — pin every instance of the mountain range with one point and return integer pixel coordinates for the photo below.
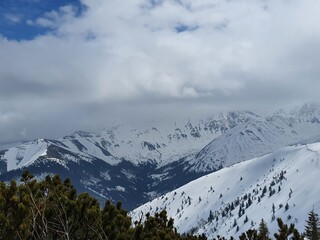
(137, 163)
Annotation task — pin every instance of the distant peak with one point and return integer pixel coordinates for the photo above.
(241, 113)
(79, 133)
(306, 110)
(281, 111)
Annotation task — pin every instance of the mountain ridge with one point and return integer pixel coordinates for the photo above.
(280, 184)
(123, 160)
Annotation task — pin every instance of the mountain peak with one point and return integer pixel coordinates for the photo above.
(310, 109)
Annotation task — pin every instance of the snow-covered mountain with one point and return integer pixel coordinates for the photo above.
(234, 199)
(123, 159)
(135, 163)
(259, 137)
(158, 144)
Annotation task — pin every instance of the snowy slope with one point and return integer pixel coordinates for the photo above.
(289, 176)
(258, 137)
(25, 154)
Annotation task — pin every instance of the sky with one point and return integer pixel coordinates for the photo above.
(69, 65)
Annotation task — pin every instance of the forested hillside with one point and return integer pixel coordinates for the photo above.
(52, 209)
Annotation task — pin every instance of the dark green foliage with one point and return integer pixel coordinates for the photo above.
(263, 231)
(235, 223)
(251, 234)
(211, 217)
(273, 208)
(52, 209)
(286, 207)
(115, 221)
(264, 191)
(313, 226)
(246, 220)
(249, 201)
(240, 212)
(286, 232)
(159, 227)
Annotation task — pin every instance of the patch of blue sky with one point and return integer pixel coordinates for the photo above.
(155, 3)
(185, 28)
(151, 4)
(14, 15)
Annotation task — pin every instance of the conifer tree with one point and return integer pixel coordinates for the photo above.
(286, 232)
(240, 211)
(286, 207)
(263, 231)
(246, 219)
(211, 217)
(273, 208)
(312, 228)
(235, 222)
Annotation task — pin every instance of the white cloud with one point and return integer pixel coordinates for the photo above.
(55, 19)
(12, 18)
(130, 51)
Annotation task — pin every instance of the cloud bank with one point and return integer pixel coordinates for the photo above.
(138, 58)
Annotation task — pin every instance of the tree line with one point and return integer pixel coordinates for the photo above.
(52, 209)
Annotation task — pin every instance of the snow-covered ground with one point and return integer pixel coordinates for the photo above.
(288, 178)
